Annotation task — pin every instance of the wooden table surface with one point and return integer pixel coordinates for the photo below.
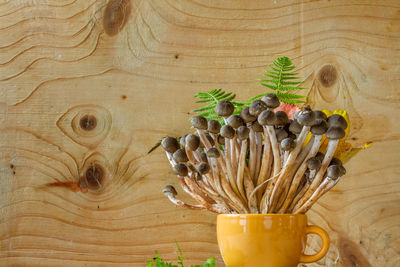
(88, 86)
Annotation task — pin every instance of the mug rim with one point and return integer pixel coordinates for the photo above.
(262, 215)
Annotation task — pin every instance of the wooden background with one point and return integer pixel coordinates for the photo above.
(135, 66)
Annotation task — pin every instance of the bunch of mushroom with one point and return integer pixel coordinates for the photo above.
(257, 162)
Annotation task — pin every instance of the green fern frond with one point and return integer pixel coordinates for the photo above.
(212, 98)
(282, 80)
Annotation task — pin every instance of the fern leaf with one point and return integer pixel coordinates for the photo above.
(282, 80)
(211, 98)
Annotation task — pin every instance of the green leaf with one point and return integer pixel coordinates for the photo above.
(282, 79)
(211, 99)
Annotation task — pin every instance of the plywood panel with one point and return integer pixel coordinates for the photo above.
(135, 65)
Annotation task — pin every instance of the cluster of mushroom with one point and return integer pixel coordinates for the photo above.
(258, 162)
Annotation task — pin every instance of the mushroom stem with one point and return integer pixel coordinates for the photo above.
(298, 196)
(195, 189)
(300, 172)
(229, 167)
(190, 156)
(276, 191)
(285, 157)
(265, 164)
(211, 207)
(258, 154)
(249, 187)
(240, 169)
(214, 195)
(170, 159)
(235, 151)
(330, 151)
(180, 203)
(325, 186)
(253, 155)
(252, 196)
(275, 148)
(287, 168)
(220, 189)
(239, 207)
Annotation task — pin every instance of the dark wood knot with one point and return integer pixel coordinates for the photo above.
(116, 15)
(94, 176)
(328, 75)
(88, 122)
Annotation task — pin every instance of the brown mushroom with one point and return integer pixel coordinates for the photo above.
(224, 108)
(246, 116)
(170, 144)
(256, 107)
(334, 172)
(181, 169)
(180, 156)
(170, 192)
(213, 126)
(271, 100)
(337, 120)
(334, 134)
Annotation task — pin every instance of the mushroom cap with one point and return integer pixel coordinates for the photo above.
(227, 131)
(169, 189)
(306, 117)
(199, 122)
(203, 157)
(203, 168)
(336, 161)
(313, 163)
(210, 139)
(267, 117)
(235, 121)
(335, 133)
(213, 126)
(213, 153)
(288, 144)
(281, 134)
(320, 156)
(257, 127)
(295, 127)
(224, 108)
(201, 145)
(271, 100)
(181, 169)
(333, 172)
(281, 118)
(292, 135)
(180, 156)
(320, 116)
(256, 107)
(170, 144)
(246, 116)
(221, 140)
(337, 120)
(182, 140)
(319, 128)
(243, 132)
(342, 170)
(192, 142)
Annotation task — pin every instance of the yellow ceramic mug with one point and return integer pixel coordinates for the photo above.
(267, 240)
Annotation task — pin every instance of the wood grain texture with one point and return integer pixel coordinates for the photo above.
(87, 87)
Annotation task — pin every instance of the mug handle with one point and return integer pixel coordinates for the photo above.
(325, 244)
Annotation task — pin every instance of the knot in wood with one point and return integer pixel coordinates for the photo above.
(328, 75)
(115, 16)
(88, 122)
(94, 176)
